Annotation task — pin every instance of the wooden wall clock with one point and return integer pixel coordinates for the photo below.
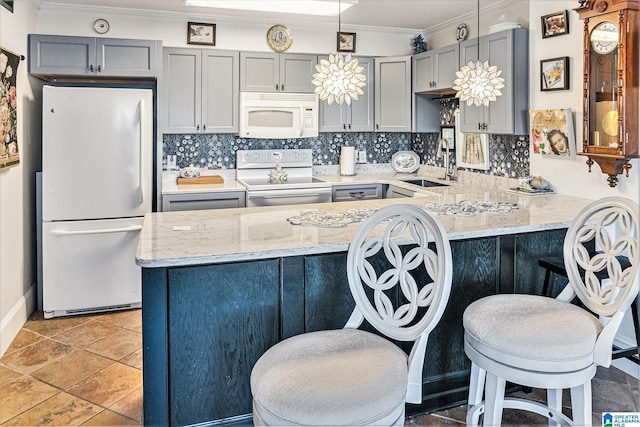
(611, 80)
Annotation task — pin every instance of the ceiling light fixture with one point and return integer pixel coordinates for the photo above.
(478, 83)
(304, 7)
(339, 79)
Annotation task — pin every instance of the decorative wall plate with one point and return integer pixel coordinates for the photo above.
(101, 26)
(405, 161)
(279, 38)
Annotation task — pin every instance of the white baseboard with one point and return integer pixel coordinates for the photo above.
(11, 324)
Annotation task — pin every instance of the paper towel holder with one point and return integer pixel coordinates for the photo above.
(347, 160)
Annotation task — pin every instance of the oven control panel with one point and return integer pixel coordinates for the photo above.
(258, 159)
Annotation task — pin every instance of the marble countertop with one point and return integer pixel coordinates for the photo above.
(228, 235)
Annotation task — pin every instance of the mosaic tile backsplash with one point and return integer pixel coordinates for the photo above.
(509, 153)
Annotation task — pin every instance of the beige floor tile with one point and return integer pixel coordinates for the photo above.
(61, 410)
(86, 333)
(134, 359)
(118, 345)
(130, 406)
(50, 327)
(108, 418)
(7, 374)
(23, 339)
(22, 394)
(109, 385)
(72, 368)
(128, 319)
(36, 355)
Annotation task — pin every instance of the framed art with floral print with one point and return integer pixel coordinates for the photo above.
(9, 153)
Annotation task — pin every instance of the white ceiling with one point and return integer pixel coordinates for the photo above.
(405, 14)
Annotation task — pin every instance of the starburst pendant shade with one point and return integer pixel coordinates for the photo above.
(339, 79)
(478, 83)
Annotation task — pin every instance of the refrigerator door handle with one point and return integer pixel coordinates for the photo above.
(140, 147)
(99, 231)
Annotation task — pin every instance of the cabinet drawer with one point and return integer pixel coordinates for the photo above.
(352, 193)
(193, 202)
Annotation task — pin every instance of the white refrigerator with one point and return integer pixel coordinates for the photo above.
(96, 185)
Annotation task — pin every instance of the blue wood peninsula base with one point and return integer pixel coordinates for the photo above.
(220, 287)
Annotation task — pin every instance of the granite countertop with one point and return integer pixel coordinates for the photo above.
(227, 235)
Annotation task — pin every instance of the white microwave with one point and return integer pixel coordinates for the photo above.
(278, 115)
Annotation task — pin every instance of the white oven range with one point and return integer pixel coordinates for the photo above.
(254, 167)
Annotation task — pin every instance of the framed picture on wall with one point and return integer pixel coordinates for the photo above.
(346, 42)
(555, 24)
(554, 74)
(7, 4)
(552, 132)
(448, 137)
(198, 33)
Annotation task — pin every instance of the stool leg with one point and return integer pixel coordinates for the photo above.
(581, 404)
(545, 287)
(493, 400)
(554, 401)
(476, 387)
(635, 309)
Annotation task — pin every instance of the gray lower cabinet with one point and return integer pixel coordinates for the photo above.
(277, 72)
(393, 94)
(205, 326)
(395, 192)
(509, 114)
(51, 55)
(350, 193)
(201, 201)
(200, 91)
(357, 117)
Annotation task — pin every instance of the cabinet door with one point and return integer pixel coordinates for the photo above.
(333, 118)
(62, 55)
(393, 94)
(296, 71)
(127, 58)
(471, 117)
(259, 72)
(220, 87)
(498, 51)
(446, 63)
(360, 115)
(181, 90)
(423, 77)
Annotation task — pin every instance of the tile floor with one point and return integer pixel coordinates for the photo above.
(74, 371)
(88, 371)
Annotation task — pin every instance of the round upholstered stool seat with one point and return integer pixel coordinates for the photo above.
(306, 380)
(531, 332)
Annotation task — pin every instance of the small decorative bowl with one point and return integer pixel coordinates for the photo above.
(190, 172)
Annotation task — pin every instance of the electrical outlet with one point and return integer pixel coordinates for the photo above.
(362, 156)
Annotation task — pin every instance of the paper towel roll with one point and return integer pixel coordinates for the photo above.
(347, 160)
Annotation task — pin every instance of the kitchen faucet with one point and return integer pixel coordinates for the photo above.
(449, 169)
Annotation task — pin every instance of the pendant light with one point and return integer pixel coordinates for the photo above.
(339, 79)
(478, 83)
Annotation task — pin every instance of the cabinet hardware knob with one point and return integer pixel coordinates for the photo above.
(91, 68)
(349, 126)
(344, 126)
(99, 68)
(197, 127)
(356, 194)
(204, 127)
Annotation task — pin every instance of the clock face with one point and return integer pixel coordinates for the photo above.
(604, 37)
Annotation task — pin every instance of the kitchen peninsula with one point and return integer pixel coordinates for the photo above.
(222, 286)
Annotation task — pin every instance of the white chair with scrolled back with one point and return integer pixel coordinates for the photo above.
(354, 377)
(549, 343)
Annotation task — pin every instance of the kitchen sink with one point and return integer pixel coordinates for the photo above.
(426, 183)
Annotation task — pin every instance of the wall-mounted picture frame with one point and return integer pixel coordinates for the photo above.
(554, 74)
(555, 24)
(552, 132)
(200, 33)
(448, 136)
(7, 4)
(346, 42)
(473, 148)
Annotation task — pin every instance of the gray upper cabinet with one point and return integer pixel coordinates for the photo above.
(51, 55)
(393, 94)
(200, 91)
(277, 72)
(435, 69)
(357, 117)
(509, 51)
